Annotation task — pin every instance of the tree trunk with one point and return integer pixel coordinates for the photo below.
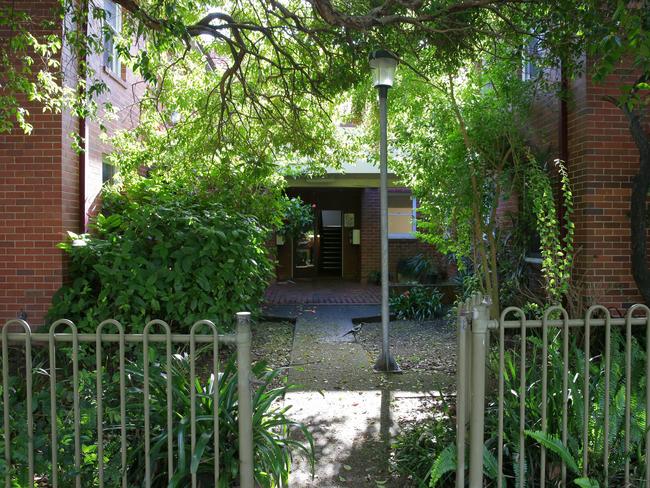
(638, 207)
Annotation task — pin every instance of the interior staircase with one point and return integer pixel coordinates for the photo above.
(331, 255)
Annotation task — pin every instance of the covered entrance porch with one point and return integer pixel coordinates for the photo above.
(331, 247)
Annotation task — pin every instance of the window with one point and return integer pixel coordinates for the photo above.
(108, 172)
(113, 23)
(401, 216)
(534, 51)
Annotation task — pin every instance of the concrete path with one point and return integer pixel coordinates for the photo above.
(351, 411)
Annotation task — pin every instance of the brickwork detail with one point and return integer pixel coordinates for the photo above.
(397, 248)
(39, 183)
(602, 162)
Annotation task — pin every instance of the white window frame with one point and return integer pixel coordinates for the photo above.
(113, 63)
(412, 214)
(530, 71)
(113, 172)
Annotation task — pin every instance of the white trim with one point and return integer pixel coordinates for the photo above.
(413, 215)
(113, 64)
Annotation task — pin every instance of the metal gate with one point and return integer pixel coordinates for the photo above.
(623, 392)
(110, 334)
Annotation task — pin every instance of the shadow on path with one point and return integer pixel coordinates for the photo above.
(352, 412)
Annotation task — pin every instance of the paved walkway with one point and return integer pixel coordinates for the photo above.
(351, 411)
(322, 291)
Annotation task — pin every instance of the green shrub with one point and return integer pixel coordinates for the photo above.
(417, 303)
(176, 257)
(374, 277)
(418, 268)
(298, 218)
(273, 448)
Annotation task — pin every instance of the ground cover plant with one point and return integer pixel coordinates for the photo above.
(428, 450)
(417, 303)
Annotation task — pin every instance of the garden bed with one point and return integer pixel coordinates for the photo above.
(416, 346)
(272, 342)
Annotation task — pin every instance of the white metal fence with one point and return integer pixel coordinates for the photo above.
(110, 334)
(569, 397)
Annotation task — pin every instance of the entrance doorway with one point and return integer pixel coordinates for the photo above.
(331, 243)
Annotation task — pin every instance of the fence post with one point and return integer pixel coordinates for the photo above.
(246, 469)
(461, 394)
(480, 322)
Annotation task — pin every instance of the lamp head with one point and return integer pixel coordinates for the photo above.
(383, 64)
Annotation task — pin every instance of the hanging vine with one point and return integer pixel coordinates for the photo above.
(557, 250)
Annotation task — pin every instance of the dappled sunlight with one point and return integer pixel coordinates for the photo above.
(352, 433)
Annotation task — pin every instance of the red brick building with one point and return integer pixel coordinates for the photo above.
(345, 240)
(593, 137)
(46, 188)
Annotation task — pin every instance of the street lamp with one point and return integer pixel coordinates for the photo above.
(383, 64)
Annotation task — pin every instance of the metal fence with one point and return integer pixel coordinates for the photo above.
(118, 341)
(593, 369)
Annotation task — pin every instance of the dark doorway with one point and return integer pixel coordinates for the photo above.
(331, 243)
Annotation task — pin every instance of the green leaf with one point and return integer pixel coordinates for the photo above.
(443, 464)
(586, 483)
(199, 449)
(553, 444)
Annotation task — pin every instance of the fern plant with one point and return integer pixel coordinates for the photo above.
(440, 458)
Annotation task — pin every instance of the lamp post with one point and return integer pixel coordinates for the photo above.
(383, 64)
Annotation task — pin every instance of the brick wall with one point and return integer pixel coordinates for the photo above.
(397, 248)
(603, 160)
(33, 183)
(39, 183)
(124, 91)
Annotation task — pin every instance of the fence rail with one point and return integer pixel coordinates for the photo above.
(55, 339)
(578, 374)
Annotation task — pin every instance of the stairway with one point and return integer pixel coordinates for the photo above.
(330, 251)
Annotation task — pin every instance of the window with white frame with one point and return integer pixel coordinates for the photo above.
(402, 209)
(108, 170)
(530, 70)
(113, 24)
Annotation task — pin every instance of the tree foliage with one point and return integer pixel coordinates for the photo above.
(462, 151)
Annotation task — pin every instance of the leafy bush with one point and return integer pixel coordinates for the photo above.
(374, 277)
(272, 446)
(417, 303)
(161, 255)
(298, 219)
(597, 402)
(418, 268)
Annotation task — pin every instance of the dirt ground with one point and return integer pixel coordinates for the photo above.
(416, 346)
(272, 342)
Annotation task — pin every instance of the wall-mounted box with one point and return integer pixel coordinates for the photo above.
(279, 239)
(356, 236)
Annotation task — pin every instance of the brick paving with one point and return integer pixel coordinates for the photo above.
(322, 292)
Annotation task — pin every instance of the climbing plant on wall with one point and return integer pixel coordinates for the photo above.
(556, 232)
